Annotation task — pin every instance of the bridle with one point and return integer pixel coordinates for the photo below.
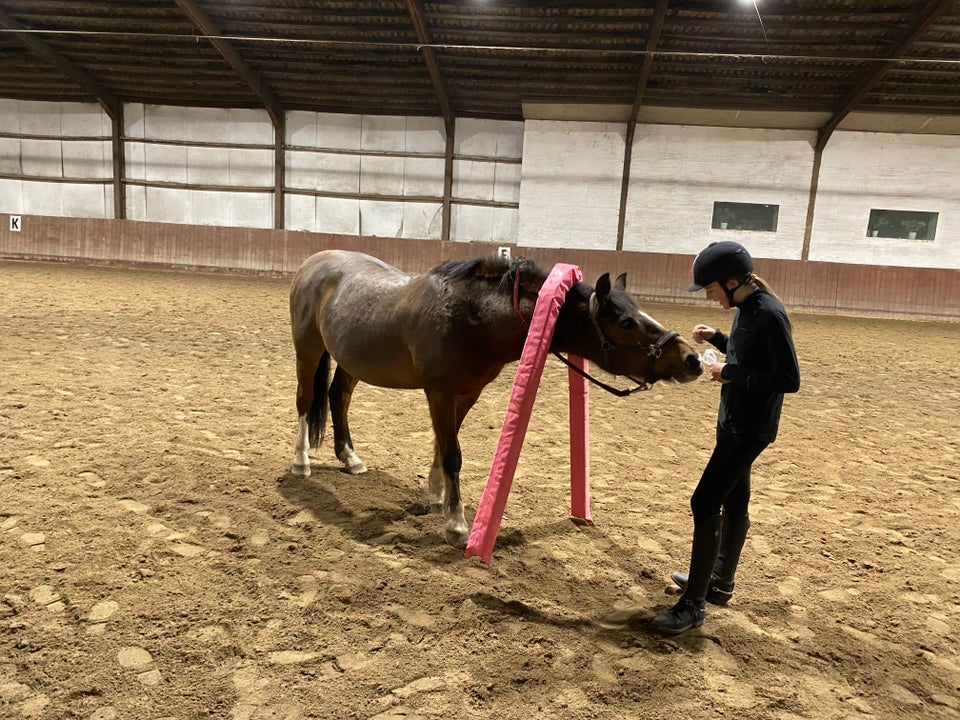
(654, 350)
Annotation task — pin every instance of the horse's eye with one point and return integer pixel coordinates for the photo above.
(628, 323)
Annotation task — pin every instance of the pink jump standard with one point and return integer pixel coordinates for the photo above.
(486, 523)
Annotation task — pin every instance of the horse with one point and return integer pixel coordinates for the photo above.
(449, 331)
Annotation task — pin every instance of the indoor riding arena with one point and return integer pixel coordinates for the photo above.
(166, 167)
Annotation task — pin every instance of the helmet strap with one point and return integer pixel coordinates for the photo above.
(730, 293)
(748, 280)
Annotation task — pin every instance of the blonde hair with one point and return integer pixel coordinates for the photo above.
(762, 284)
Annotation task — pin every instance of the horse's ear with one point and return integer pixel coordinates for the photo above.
(603, 287)
(621, 283)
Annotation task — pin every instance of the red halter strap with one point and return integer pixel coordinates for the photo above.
(516, 297)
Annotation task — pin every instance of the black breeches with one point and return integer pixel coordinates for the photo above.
(725, 482)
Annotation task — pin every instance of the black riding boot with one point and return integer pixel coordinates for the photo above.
(732, 537)
(690, 610)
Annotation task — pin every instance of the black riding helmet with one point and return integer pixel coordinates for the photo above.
(718, 262)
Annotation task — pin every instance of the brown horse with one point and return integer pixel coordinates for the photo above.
(449, 331)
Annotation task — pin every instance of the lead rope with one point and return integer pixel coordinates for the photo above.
(643, 384)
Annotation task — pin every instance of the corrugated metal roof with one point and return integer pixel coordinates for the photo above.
(487, 58)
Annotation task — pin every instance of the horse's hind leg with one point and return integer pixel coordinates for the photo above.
(307, 366)
(341, 392)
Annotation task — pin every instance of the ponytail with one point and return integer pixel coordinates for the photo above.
(762, 284)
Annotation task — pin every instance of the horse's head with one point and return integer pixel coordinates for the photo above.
(623, 340)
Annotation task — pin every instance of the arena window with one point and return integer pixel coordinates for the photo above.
(745, 216)
(902, 224)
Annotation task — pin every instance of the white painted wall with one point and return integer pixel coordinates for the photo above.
(238, 167)
(330, 172)
(887, 171)
(566, 183)
(495, 177)
(54, 157)
(338, 173)
(570, 184)
(678, 172)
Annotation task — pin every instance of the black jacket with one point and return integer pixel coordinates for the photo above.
(761, 367)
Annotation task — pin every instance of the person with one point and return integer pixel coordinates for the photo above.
(761, 365)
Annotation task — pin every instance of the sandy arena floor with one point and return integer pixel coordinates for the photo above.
(158, 561)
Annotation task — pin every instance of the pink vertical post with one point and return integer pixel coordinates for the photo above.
(486, 523)
(579, 441)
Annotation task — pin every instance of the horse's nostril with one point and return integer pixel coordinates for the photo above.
(693, 362)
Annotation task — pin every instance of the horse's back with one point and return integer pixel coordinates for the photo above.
(362, 311)
(326, 273)
(341, 265)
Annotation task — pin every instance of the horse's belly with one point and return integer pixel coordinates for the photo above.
(385, 377)
(385, 363)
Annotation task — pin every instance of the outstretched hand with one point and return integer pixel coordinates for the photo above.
(702, 333)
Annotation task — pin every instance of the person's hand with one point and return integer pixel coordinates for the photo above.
(702, 333)
(715, 371)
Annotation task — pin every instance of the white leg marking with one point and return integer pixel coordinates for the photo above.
(351, 461)
(301, 458)
(456, 531)
(437, 482)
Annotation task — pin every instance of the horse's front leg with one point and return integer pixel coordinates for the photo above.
(437, 480)
(437, 476)
(341, 392)
(447, 461)
(443, 413)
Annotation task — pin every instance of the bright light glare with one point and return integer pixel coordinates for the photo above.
(760, 19)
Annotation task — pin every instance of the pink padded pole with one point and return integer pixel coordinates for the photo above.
(486, 523)
(579, 441)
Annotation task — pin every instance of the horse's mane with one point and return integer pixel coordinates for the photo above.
(493, 269)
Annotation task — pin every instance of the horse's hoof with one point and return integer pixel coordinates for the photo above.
(351, 461)
(456, 539)
(301, 470)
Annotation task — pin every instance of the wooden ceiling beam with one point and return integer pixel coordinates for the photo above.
(249, 76)
(106, 99)
(415, 8)
(656, 28)
(930, 14)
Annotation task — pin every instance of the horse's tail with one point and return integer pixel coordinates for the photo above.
(317, 415)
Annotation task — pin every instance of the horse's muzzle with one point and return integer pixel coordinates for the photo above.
(694, 366)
